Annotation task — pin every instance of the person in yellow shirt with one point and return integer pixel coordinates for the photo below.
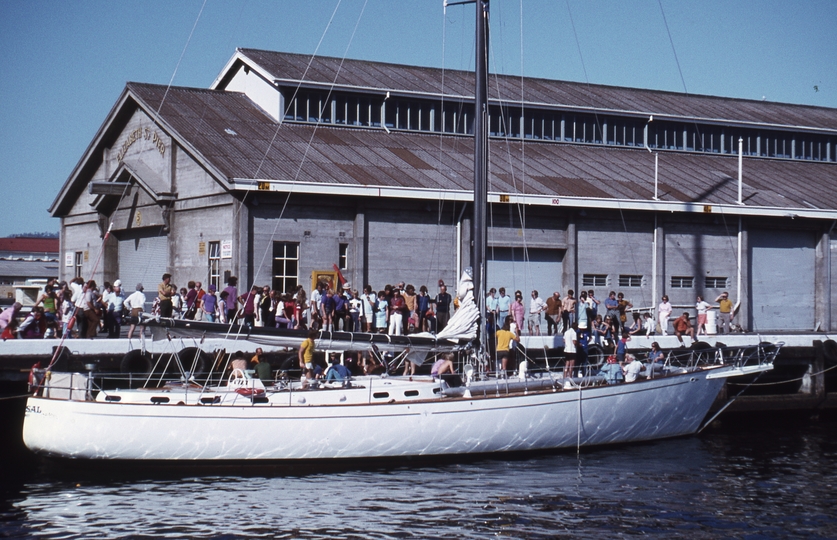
(725, 311)
(506, 343)
(306, 352)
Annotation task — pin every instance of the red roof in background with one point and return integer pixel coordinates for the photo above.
(29, 245)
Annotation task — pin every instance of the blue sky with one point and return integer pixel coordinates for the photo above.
(63, 64)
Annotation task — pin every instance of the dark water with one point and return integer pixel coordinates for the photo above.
(745, 478)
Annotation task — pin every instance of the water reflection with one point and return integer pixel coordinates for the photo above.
(742, 479)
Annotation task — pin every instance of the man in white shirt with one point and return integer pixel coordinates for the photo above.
(316, 304)
(536, 307)
(113, 302)
(632, 370)
(570, 348)
(136, 304)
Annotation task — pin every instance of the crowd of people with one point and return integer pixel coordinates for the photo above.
(396, 309)
(581, 324)
(81, 308)
(75, 308)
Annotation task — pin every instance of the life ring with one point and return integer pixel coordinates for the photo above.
(136, 361)
(196, 356)
(595, 355)
(829, 351)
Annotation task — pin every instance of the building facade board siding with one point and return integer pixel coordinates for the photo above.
(317, 228)
(782, 295)
(193, 180)
(262, 92)
(144, 258)
(545, 228)
(82, 238)
(612, 247)
(192, 233)
(144, 142)
(699, 250)
(412, 245)
(526, 270)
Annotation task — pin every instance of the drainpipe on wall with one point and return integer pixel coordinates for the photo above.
(740, 221)
(654, 272)
(740, 169)
(740, 245)
(828, 278)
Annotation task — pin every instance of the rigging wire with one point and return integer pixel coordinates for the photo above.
(673, 50)
(183, 53)
(310, 140)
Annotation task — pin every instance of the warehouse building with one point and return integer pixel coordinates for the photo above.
(290, 167)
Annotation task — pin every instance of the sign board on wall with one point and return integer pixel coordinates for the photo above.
(68, 258)
(226, 249)
(328, 277)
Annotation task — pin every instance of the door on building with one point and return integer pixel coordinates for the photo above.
(535, 269)
(143, 259)
(782, 280)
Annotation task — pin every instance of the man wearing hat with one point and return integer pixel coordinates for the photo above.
(135, 303)
(115, 301)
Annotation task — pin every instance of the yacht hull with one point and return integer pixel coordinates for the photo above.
(545, 419)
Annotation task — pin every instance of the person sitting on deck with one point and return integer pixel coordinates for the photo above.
(682, 325)
(632, 369)
(442, 366)
(239, 362)
(612, 371)
(337, 371)
(656, 360)
(262, 367)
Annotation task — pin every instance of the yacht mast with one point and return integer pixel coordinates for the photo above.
(478, 224)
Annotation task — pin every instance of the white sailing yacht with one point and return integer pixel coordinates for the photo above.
(242, 419)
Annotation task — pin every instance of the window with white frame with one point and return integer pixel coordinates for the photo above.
(285, 266)
(215, 264)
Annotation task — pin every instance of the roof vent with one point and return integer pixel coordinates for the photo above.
(230, 132)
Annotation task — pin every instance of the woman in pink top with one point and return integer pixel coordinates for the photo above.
(517, 309)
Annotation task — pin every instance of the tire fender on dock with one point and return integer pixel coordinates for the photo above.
(136, 361)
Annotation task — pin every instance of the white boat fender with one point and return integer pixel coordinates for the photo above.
(468, 373)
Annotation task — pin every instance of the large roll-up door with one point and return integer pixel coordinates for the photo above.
(143, 259)
(538, 269)
(782, 280)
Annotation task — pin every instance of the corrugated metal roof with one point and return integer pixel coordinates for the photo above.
(397, 78)
(367, 157)
(22, 268)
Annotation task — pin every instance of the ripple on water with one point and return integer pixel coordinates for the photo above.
(737, 481)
